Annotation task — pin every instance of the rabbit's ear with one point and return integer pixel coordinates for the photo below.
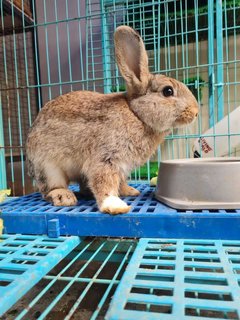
(132, 60)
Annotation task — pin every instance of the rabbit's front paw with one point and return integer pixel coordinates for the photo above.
(62, 197)
(114, 205)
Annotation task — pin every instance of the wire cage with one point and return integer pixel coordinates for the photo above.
(48, 48)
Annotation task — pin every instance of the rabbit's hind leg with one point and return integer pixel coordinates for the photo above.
(104, 184)
(125, 190)
(53, 184)
(85, 191)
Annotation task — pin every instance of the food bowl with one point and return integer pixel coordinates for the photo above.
(209, 183)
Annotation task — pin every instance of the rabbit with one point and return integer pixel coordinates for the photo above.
(97, 139)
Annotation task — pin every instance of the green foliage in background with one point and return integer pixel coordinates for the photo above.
(180, 20)
(142, 172)
(120, 88)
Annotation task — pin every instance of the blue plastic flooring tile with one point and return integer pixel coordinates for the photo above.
(24, 260)
(147, 218)
(180, 279)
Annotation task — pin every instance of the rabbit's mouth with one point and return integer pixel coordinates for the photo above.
(186, 117)
(180, 122)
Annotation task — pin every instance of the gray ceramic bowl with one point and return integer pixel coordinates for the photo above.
(210, 183)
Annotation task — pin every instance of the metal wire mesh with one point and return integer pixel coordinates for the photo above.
(48, 48)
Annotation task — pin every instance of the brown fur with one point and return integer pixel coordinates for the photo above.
(97, 139)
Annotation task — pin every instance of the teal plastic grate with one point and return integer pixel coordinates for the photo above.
(180, 279)
(24, 260)
(80, 286)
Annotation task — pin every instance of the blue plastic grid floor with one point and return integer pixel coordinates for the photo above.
(180, 279)
(147, 218)
(24, 260)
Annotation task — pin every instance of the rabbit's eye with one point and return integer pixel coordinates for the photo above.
(167, 91)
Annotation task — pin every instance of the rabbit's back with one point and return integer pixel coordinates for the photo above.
(67, 121)
(80, 105)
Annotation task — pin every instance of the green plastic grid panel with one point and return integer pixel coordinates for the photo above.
(25, 259)
(180, 279)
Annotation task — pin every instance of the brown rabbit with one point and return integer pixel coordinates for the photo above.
(97, 139)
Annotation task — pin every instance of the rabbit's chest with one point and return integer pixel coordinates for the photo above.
(146, 146)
